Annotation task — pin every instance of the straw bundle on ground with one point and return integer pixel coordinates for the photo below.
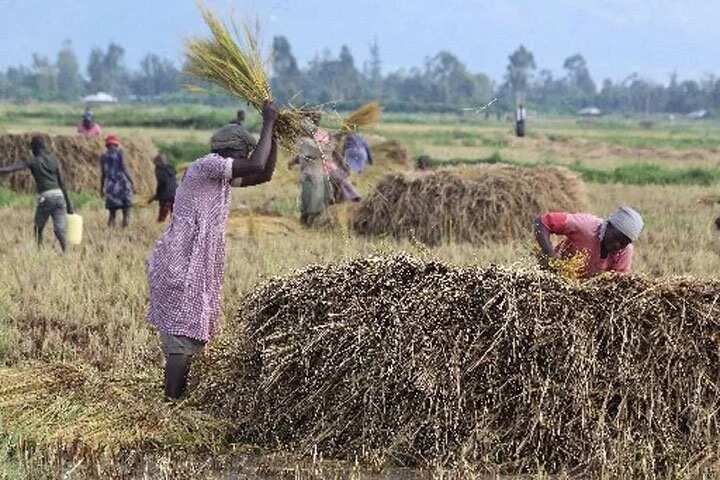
(110, 424)
(79, 158)
(239, 70)
(475, 205)
(418, 362)
(366, 115)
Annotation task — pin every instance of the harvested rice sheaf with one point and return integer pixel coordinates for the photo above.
(79, 159)
(419, 362)
(475, 205)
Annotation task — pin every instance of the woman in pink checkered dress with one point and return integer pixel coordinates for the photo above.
(185, 268)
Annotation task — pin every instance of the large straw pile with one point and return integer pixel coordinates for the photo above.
(489, 202)
(419, 362)
(79, 158)
(239, 69)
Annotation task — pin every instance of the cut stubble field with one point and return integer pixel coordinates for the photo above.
(89, 305)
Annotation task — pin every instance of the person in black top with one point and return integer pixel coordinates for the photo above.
(53, 200)
(166, 186)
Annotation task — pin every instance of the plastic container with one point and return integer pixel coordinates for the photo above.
(74, 229)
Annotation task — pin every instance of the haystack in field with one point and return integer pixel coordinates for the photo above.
(402, 360)
(79, 157)
(475, 205)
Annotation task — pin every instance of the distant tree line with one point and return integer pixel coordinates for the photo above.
(442, 84)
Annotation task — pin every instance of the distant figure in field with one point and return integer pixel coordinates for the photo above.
(186, 266)
(316, 191)
(166, 185)
(607, 243)
(53, 200)
(116, 185)
(357, 152)
(88, 127)
(520, 116)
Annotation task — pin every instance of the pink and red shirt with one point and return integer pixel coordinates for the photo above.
(94, 131)
(582, 232)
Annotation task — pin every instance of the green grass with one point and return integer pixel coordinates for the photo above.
(184, 151)
(180, 116)
(631, 174)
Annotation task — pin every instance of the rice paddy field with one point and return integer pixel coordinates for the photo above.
(83, 313)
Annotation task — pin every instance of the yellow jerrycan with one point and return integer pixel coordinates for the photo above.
(74, 229)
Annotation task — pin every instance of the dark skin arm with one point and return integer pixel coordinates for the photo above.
(266, 175)
(15, 167)
(542, 235)
(260, 157)
(61, 183)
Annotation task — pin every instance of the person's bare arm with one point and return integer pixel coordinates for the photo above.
(68, 202)
(542, 235)
(15, 167)
(266, 175)
(256, 163)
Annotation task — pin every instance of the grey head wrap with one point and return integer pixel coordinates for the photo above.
(628, 221)
(232, 137)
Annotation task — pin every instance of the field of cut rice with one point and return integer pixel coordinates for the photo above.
(80, 319)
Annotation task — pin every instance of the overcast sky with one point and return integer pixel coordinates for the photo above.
(617, 37)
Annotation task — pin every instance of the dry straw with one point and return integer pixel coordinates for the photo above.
(239, 68)
(365, 116)
(475, 205)
(510, 370)
(78, 158)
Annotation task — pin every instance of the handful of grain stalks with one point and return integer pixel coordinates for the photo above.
(238, 68)
(368, 114)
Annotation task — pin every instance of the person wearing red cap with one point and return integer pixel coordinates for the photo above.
(116, 185)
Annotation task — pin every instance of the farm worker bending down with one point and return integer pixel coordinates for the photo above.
(607, 243)
(52, 200)
(185, 268)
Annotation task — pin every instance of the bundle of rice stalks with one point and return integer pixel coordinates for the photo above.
(79, 159)
(514, 371)
(368, 114)
(110, 424)
(475, 205)
(239, 70)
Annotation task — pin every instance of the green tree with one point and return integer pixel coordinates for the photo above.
(519, 72)
(107, 72)
(287, 79)
(157, 76)
(578, 75)
(70, 83)
(45, 80)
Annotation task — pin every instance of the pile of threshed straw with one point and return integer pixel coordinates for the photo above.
(510, 370)
(474, 205)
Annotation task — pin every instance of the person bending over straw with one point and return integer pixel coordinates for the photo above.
(606, 244)
(53, 200)
(185, 268)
